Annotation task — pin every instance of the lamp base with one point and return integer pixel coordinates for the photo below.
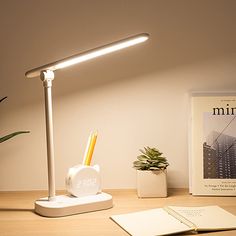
(64, 205)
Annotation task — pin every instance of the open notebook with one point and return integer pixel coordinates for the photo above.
(173, 219)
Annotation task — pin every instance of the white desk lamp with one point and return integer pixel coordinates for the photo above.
(54, 206)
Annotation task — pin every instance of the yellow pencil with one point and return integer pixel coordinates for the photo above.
(90, 148)
(87, 148)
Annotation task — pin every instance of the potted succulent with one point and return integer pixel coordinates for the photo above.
(151, 173)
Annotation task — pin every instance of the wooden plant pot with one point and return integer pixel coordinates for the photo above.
(151, 183)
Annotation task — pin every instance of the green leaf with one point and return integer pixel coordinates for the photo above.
(4, 138)
(142, 158)
(3, 99)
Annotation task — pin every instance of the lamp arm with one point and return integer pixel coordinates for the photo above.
(47, 76)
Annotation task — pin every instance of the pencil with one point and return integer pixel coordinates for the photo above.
(89, 149)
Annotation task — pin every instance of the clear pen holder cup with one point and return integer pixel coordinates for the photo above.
(83, 180)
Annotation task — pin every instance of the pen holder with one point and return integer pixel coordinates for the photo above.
(83, 180)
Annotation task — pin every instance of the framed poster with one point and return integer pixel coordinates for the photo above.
(213, 144)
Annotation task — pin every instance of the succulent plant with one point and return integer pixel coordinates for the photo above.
(6, 137)
(150, 159)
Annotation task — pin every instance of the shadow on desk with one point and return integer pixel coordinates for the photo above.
(16, 209)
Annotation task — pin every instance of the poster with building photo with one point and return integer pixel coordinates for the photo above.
(213, 144)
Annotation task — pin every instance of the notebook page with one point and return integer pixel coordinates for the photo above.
(208, 217)
(149, 223)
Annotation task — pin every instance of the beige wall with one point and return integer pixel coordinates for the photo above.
(135, 98)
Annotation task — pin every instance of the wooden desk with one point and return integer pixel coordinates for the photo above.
(17, 216)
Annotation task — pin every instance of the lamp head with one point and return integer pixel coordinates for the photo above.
(88, 55)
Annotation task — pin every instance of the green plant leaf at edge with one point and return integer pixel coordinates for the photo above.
(3, 99)
(4, 138)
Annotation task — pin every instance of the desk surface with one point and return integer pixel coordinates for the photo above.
(18, 218)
